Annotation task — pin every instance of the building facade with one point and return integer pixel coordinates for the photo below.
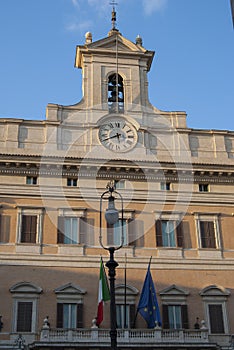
(177, 185)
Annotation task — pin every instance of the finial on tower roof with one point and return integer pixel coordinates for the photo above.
(113, 14)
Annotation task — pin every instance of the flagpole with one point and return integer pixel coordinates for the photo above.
(125, 292)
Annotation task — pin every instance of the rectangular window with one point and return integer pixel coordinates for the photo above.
(71, 182)
(125, 320)
(203, 188)
(24, 317)
(175, 316)
(75, 230)
(133, 233)
(114, 233)
(29, 229)
(207, 231)
(169, 233)
(69, 315)
(120, 184)
(123, 316)
(165, 186)
(216, 318)
(31, 180)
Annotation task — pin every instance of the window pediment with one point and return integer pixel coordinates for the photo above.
(120, 290)
(174, 290)
(214, 291)
(69, 289)
(25, 287)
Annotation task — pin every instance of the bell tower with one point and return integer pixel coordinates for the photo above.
(114, 72)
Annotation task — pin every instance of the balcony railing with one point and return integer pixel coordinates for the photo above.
(125, 336)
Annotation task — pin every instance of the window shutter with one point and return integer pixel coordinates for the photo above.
(59, 315)
(211, 234)
(82, 231)
(184, 316)
(158, 227)
(60, 230)
(138, 236)
(132, 315)
(179, 234)
(86, 231)
(29, 229)
(132, 227)
(79, 317)
(24, 317)
(5, 221)
(90, 231)
(216, 318)
(207, 234)
(165, 316)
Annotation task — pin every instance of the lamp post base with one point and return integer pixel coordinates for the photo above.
(111, 265)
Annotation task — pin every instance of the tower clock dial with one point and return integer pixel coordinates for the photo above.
(117, 135)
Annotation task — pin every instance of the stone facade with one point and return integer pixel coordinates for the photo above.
(177, 184)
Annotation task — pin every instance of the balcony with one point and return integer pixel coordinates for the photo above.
(127, 338)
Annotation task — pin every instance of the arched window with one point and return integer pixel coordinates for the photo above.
(115, 94)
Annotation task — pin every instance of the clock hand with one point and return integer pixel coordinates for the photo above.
(112, 137)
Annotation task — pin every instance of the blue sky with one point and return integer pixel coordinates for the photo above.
(193, 68)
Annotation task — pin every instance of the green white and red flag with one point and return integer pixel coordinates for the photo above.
(103, 293)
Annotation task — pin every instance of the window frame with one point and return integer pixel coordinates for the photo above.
(31, 180)
(131, 294)
(131, 227)
(204, 187)
(26, 211)
(83, 236)
(174, 296)
(201, 217)
(72, 182)
(28, 293)
(70, 294)
(214, 295)
(176, 220)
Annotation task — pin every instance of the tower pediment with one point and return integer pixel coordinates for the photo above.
(110, 45)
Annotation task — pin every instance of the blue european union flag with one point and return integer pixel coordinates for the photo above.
(148, 304)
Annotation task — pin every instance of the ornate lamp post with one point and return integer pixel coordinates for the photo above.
(112, 216)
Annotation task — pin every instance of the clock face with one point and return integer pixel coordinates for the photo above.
(118, 135)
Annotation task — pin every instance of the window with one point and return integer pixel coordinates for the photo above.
(115, 93)
(71, 182)
(175, 311)
(122, 319)
(25, 306)
(24, 316)
(69, 315)
(208, 233)
(203, 188)
(31, 180)
(216, 318)
(175, 316)
(215, 302)
(120, 184)
(165, 186)
(29, 225)
(29, 229)
(125, 314)
(169, 233)
(75, 230)
(69, 306)
(133, 233)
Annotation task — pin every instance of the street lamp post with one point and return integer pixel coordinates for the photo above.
(112, 216)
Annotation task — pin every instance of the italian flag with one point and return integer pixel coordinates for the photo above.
(103, 293)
